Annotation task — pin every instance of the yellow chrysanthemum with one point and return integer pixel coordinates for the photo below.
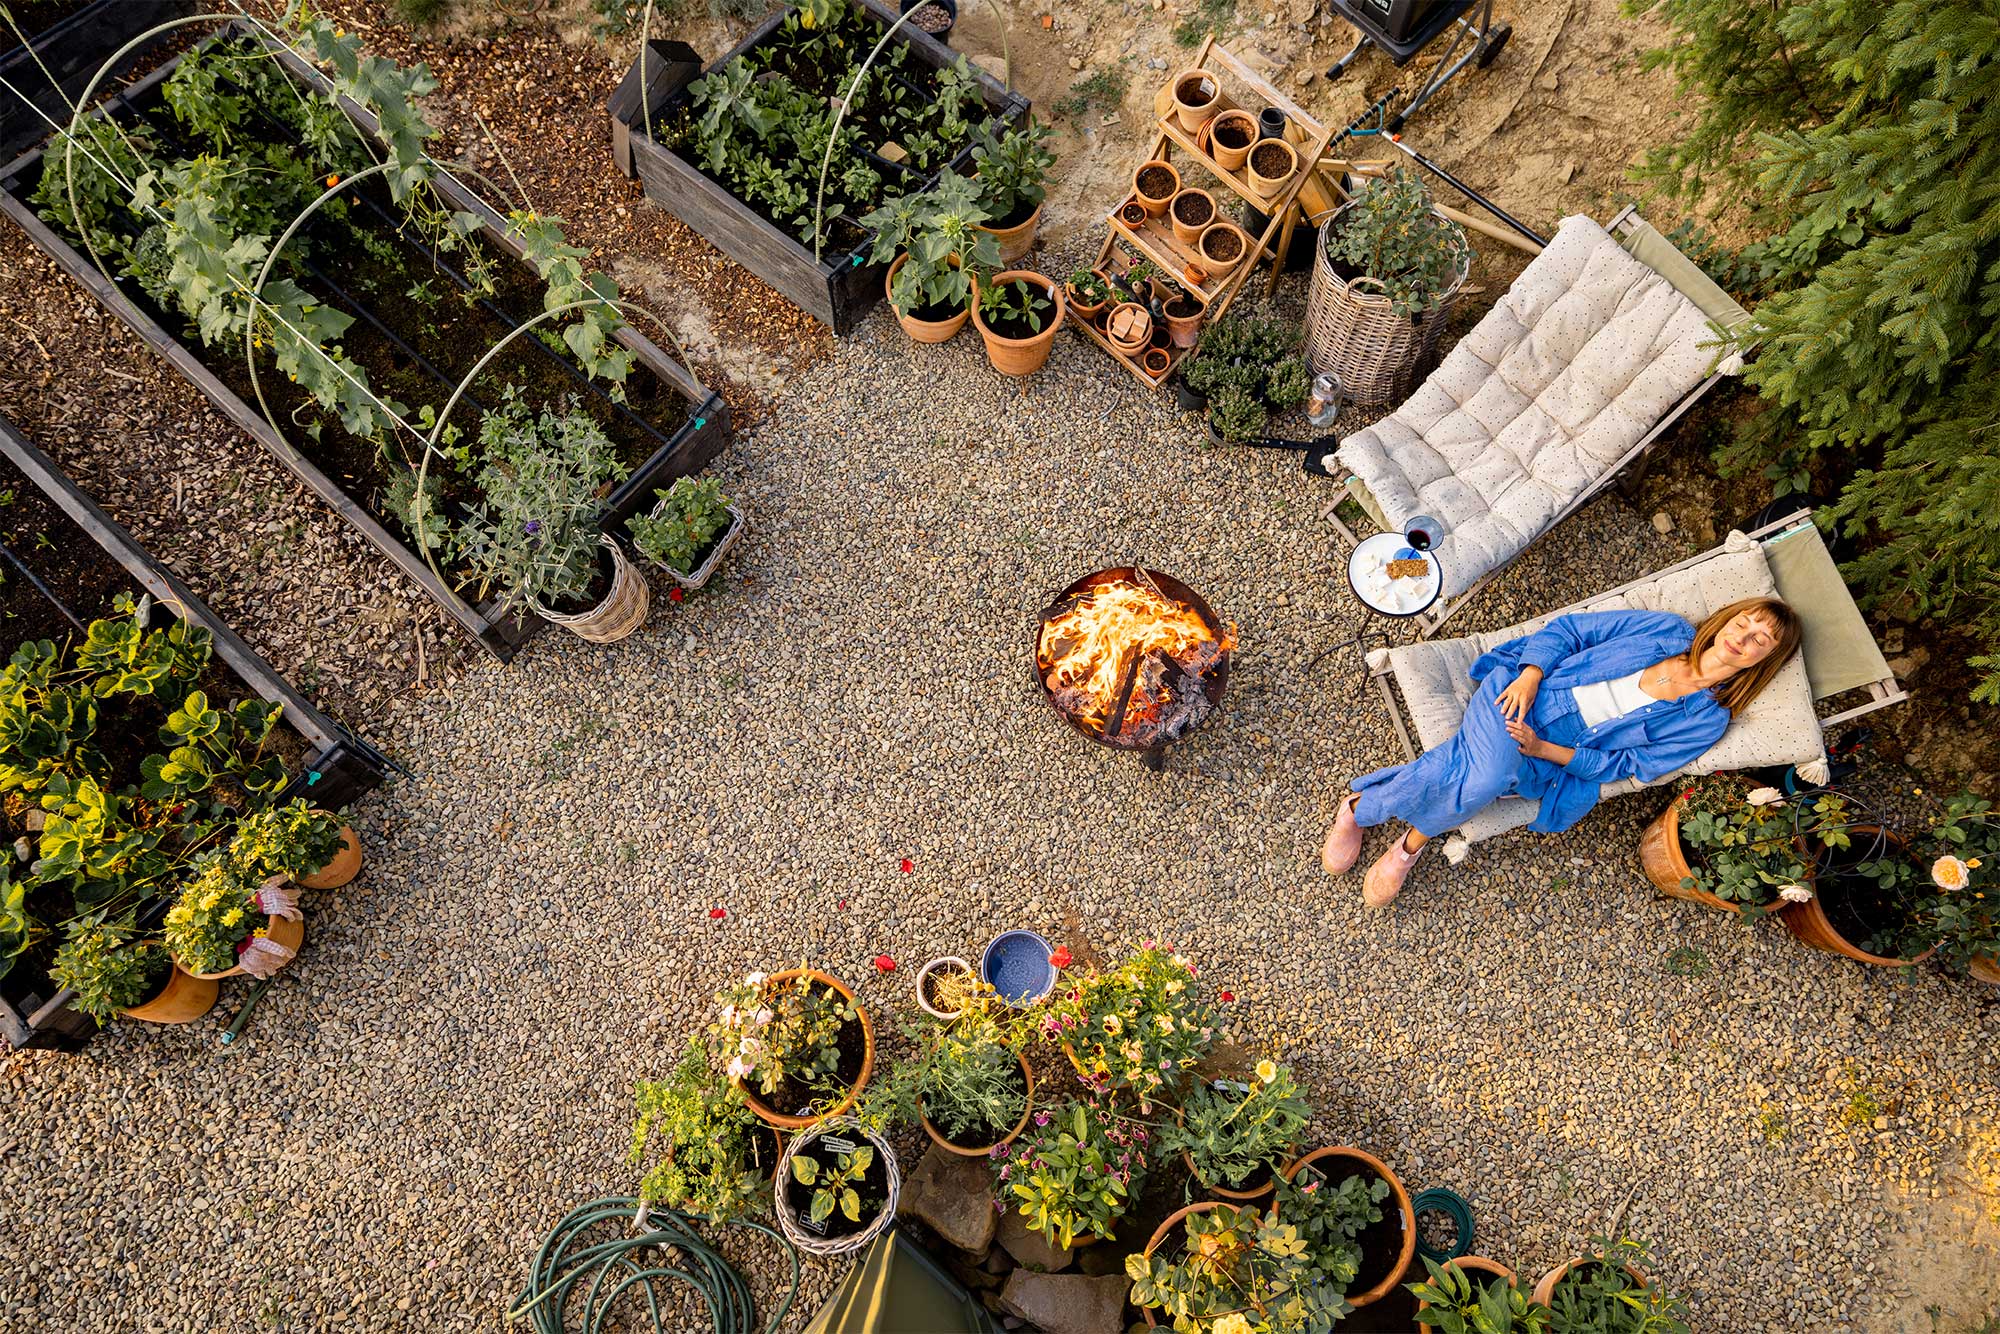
(232, 917)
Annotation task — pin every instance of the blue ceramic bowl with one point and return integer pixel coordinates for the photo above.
(1016, 965)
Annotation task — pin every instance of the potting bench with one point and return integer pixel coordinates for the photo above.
(1154, 239)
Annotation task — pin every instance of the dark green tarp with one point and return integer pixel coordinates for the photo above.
(896, 1288)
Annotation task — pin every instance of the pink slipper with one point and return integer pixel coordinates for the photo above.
(1386, 876)
(1343, 841)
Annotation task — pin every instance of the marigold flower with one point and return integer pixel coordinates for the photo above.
(1950, 873)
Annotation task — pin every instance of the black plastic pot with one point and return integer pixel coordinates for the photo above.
(1253, 221)
(950, 8)
(1270, 123)
(1187, 399)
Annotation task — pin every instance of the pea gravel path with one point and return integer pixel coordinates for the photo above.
(448, 1067)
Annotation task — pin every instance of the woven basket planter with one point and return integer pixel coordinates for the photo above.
(801, 1236)
(622, 611)
(1353, 330)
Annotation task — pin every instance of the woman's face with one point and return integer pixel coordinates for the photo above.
(1748, 639)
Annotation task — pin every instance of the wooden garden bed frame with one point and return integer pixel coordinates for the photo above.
(1155, 240)
(691, 446)
(71, 50)
(338, 770)
(837, 289)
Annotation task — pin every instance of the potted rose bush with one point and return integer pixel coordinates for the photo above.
(1736, 848)
(1235, 1135)
(1945, 890)
(708, 1154)
(797, 1043)
(1216, 1266)
(1074, 1173)
(1332, 1215)
(1136, 1025)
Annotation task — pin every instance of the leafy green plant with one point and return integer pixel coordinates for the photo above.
(1330, 1218)
(1946, 888)
(1247, 367)
(1235, 1133)
(215, 913)
(772, 1032)
(940, 231)
(1394, 235)
(687, 519)
(1088, 287)
(1236, 414)
(108, 967)
(962, 1074)
(1103, 87)
(1602, 1296)
(1076, 1170)
(710, 1155)
(293, 840)
(1750, 846)
(1011, 169)
(835, 1185)
(1137, 1024)
(1461, 1304)
(18, 928)
(1240, 1269)
(1016, 308)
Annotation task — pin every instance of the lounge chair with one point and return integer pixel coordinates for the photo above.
(1781, 727)
(1605, 339)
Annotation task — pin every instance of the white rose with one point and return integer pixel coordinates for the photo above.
(1795, 894)
(1765, 796)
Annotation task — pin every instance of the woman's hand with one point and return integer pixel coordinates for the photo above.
(1525, 738)
(1519, 696)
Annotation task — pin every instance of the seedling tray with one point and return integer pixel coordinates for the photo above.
(693, 423)
(842, 285)
(336, 768)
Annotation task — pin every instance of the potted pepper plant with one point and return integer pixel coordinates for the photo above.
(1236, 1135)
(1220, 1266)
(1942, 894)
(690, 529)
(1736, 848)
(964, 1082)
(837, 1187)
(1012, 169)
(1075, 1171)
(939, 248)
(1473, 1295)
(1136, 1025)
(703, 1150)
(1018, 313)
(1607, 1291)
(797, 1043)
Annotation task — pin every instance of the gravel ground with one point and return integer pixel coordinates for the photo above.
(448, 1067)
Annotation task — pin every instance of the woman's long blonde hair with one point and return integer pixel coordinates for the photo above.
(1736, 693)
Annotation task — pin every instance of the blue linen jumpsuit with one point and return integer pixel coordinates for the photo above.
(1442, 788)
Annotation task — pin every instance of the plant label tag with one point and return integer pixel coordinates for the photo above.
(838, 1145)
(806, 1221)
(891, 151)
(1230, 1086)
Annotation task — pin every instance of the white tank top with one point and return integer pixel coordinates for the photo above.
(1600, 703)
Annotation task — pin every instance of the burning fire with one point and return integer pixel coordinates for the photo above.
(1130, 662)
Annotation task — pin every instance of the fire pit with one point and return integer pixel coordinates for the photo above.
(1133, 658)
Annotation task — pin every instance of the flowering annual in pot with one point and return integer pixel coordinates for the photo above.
(1329, 1217)
(108, 967)
(1749, 846)
(688, 520)
(1238, 1134)
(1394, 235)
(1948, 885)
(1458, 1302)
(1238, 1269)
(291, 840)
(219, 912)
(1137, 1024)
(769, 1033)
(710, 1155)
(1604, 1294)
(964, 1076)
(1075, 1170)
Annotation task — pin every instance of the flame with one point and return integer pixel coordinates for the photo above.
(1085, 652)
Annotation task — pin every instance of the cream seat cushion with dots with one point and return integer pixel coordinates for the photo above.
(1780, 727)
(1586, 351)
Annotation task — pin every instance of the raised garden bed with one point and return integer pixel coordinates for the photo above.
(420, 321)
(63, 563)
(756, 217)
(70, 40)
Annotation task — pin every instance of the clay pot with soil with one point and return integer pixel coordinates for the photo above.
(1016, 239)
(1272, 162)
(1479, 1269)
(926, 324)
(1222, 248)
(939, 1138)
(1184, 313)
(181, 999)
(346, 864)
(1017, 314)
(1663, 857)
(1130, 328)
(1132, 213)
(1230, 136)
(1388, 1246)
(1191, 211)
(1156, 361)
(1546, 1287)
(1154, 185)
(1197, 93)
(1849, 909)
(855, 1060)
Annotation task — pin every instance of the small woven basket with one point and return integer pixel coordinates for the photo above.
(849, 1128)
(1357, 334)
(622, 611)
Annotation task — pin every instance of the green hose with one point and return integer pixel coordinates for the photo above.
(612, 1267)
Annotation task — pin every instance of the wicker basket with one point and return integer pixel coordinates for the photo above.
(1355, 332)
(622, 611)
(848, 1128)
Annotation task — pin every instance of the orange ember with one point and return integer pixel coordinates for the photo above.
(1123, 638)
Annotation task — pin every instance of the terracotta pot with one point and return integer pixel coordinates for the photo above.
(925, 331)
(923, 1001)
(622, 611)
(1019, 356)
(1217, 266)
(1196, 275)
(1161, 1233)
(1472, 1266)
(1983, 968)
(1155, 204)
(1130, 328)
(1547, 1287)
(1386, 1285)
(1133, 213)
(1197, 94)
(1185, 330)
(183, 998)
(1664, 863)
(1028, 1110)
(1200, 204)
(281, 930)
(1017, 240)
(1810, 925)
(1223, 132)
(785, 1121)
(1265, 183)
(1155, 361)
(346, 864)
(1087, 311)
(1222, 1192)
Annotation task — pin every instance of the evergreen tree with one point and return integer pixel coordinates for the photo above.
(1865, 139)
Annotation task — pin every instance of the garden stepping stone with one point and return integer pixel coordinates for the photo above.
(1066, 1303)
(1029, 1249)
(954, 1194)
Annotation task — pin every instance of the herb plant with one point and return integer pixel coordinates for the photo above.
(1075, 1171)
(1235, 1132)
(963, 1075)
(770, 1032)
(710, 1155)
(1600, 1295)
(1239, 1269)
(1248, 367)
(835, 1186)
(107, 967)
(1137, 1024)
(686, 520)
(1461, 1304)
(1394, 235)
(1089, 287)
(1750, 846)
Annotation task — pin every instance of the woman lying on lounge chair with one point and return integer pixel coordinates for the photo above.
(1589, 698)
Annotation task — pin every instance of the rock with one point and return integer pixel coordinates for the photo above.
(993, 64)
(1066, 1303)
(953, 1194)
(1892, 642)
(1906, 665)
(1029, 1248)
(1663, 523)
(1075, 63)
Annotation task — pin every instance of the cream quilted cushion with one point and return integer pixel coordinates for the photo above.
(1579, 359)
(1779, 728)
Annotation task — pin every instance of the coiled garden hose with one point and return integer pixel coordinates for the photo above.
(1438, 1200)
(613, 1266)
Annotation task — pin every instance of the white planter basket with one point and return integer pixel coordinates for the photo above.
(949, 961)
(621, 613)
(844, 1127)
(702, 575)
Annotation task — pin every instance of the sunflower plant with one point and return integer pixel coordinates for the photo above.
(1136, 1025)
